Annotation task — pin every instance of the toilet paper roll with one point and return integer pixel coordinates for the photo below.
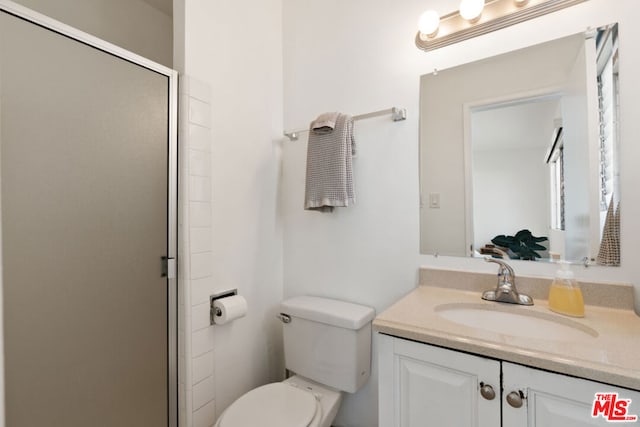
(229, 308)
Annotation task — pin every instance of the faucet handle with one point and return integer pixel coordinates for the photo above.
(504, 267)
(506, 290)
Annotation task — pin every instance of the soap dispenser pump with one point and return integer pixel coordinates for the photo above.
(565, 296)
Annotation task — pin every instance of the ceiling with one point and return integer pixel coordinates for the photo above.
(165, 6)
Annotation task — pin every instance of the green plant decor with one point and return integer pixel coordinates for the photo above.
(521, 246)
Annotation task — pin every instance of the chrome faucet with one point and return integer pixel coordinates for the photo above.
(506, 290)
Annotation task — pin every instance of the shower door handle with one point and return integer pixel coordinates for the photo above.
(169, 267)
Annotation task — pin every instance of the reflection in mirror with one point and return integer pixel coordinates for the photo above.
(530, 142)
(508, 146)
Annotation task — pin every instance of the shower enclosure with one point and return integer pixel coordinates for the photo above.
(88, 228)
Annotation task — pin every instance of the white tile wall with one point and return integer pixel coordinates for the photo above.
(200, 214)
(199, 164)
(200, 189)
(201, 289)
(199, 113)
(196, 357)
(200, 138)
(201, 342)
(201, 265)
(199, 90)
(202, 367)
(200, 316)
(203, 393)
(200, 239)
(205, 416)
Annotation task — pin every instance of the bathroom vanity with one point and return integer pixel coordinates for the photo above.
(448, 358)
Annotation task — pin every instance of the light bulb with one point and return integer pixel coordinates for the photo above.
(471, 9)
(428, 23)
(520, 3)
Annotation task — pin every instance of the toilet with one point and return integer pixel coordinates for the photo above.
(327, 349)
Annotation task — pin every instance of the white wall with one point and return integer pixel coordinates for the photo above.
(131, 24)
(359, 56)
(219, 47)
(195, 249)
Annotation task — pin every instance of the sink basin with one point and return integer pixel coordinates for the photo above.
(516, 321)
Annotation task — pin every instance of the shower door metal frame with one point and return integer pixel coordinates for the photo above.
(172, 176)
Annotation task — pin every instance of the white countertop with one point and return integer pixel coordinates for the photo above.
(613, 357)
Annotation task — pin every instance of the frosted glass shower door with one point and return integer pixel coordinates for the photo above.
(84, 143)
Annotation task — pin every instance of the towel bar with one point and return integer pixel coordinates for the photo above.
(397, 114)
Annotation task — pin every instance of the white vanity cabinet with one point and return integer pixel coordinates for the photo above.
(423, 385)
(557, 400)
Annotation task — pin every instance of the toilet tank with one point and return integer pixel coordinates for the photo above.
(328, 341)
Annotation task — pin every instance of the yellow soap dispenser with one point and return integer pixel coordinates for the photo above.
(565, 296)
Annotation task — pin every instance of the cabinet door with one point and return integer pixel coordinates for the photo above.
(555, 400)
(423, 385)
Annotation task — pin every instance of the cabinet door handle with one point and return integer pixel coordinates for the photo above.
(487, 391)
(515, 399)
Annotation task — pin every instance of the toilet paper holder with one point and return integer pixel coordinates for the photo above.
(214, 311)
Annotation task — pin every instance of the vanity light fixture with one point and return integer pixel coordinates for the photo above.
(478, 17)
(428, 24)
(471, 10)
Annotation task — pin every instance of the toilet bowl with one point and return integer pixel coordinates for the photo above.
(327, 345)
(295, 402)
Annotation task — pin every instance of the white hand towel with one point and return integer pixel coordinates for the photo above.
(329, 181)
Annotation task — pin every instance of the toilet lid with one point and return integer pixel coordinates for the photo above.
(272, 405)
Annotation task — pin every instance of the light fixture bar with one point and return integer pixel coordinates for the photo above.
(497, 14)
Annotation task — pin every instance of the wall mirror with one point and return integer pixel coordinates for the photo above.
(519, 153)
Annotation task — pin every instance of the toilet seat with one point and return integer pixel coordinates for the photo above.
(272, 405)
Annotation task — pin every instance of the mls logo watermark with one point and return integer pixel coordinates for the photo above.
(612, 408)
